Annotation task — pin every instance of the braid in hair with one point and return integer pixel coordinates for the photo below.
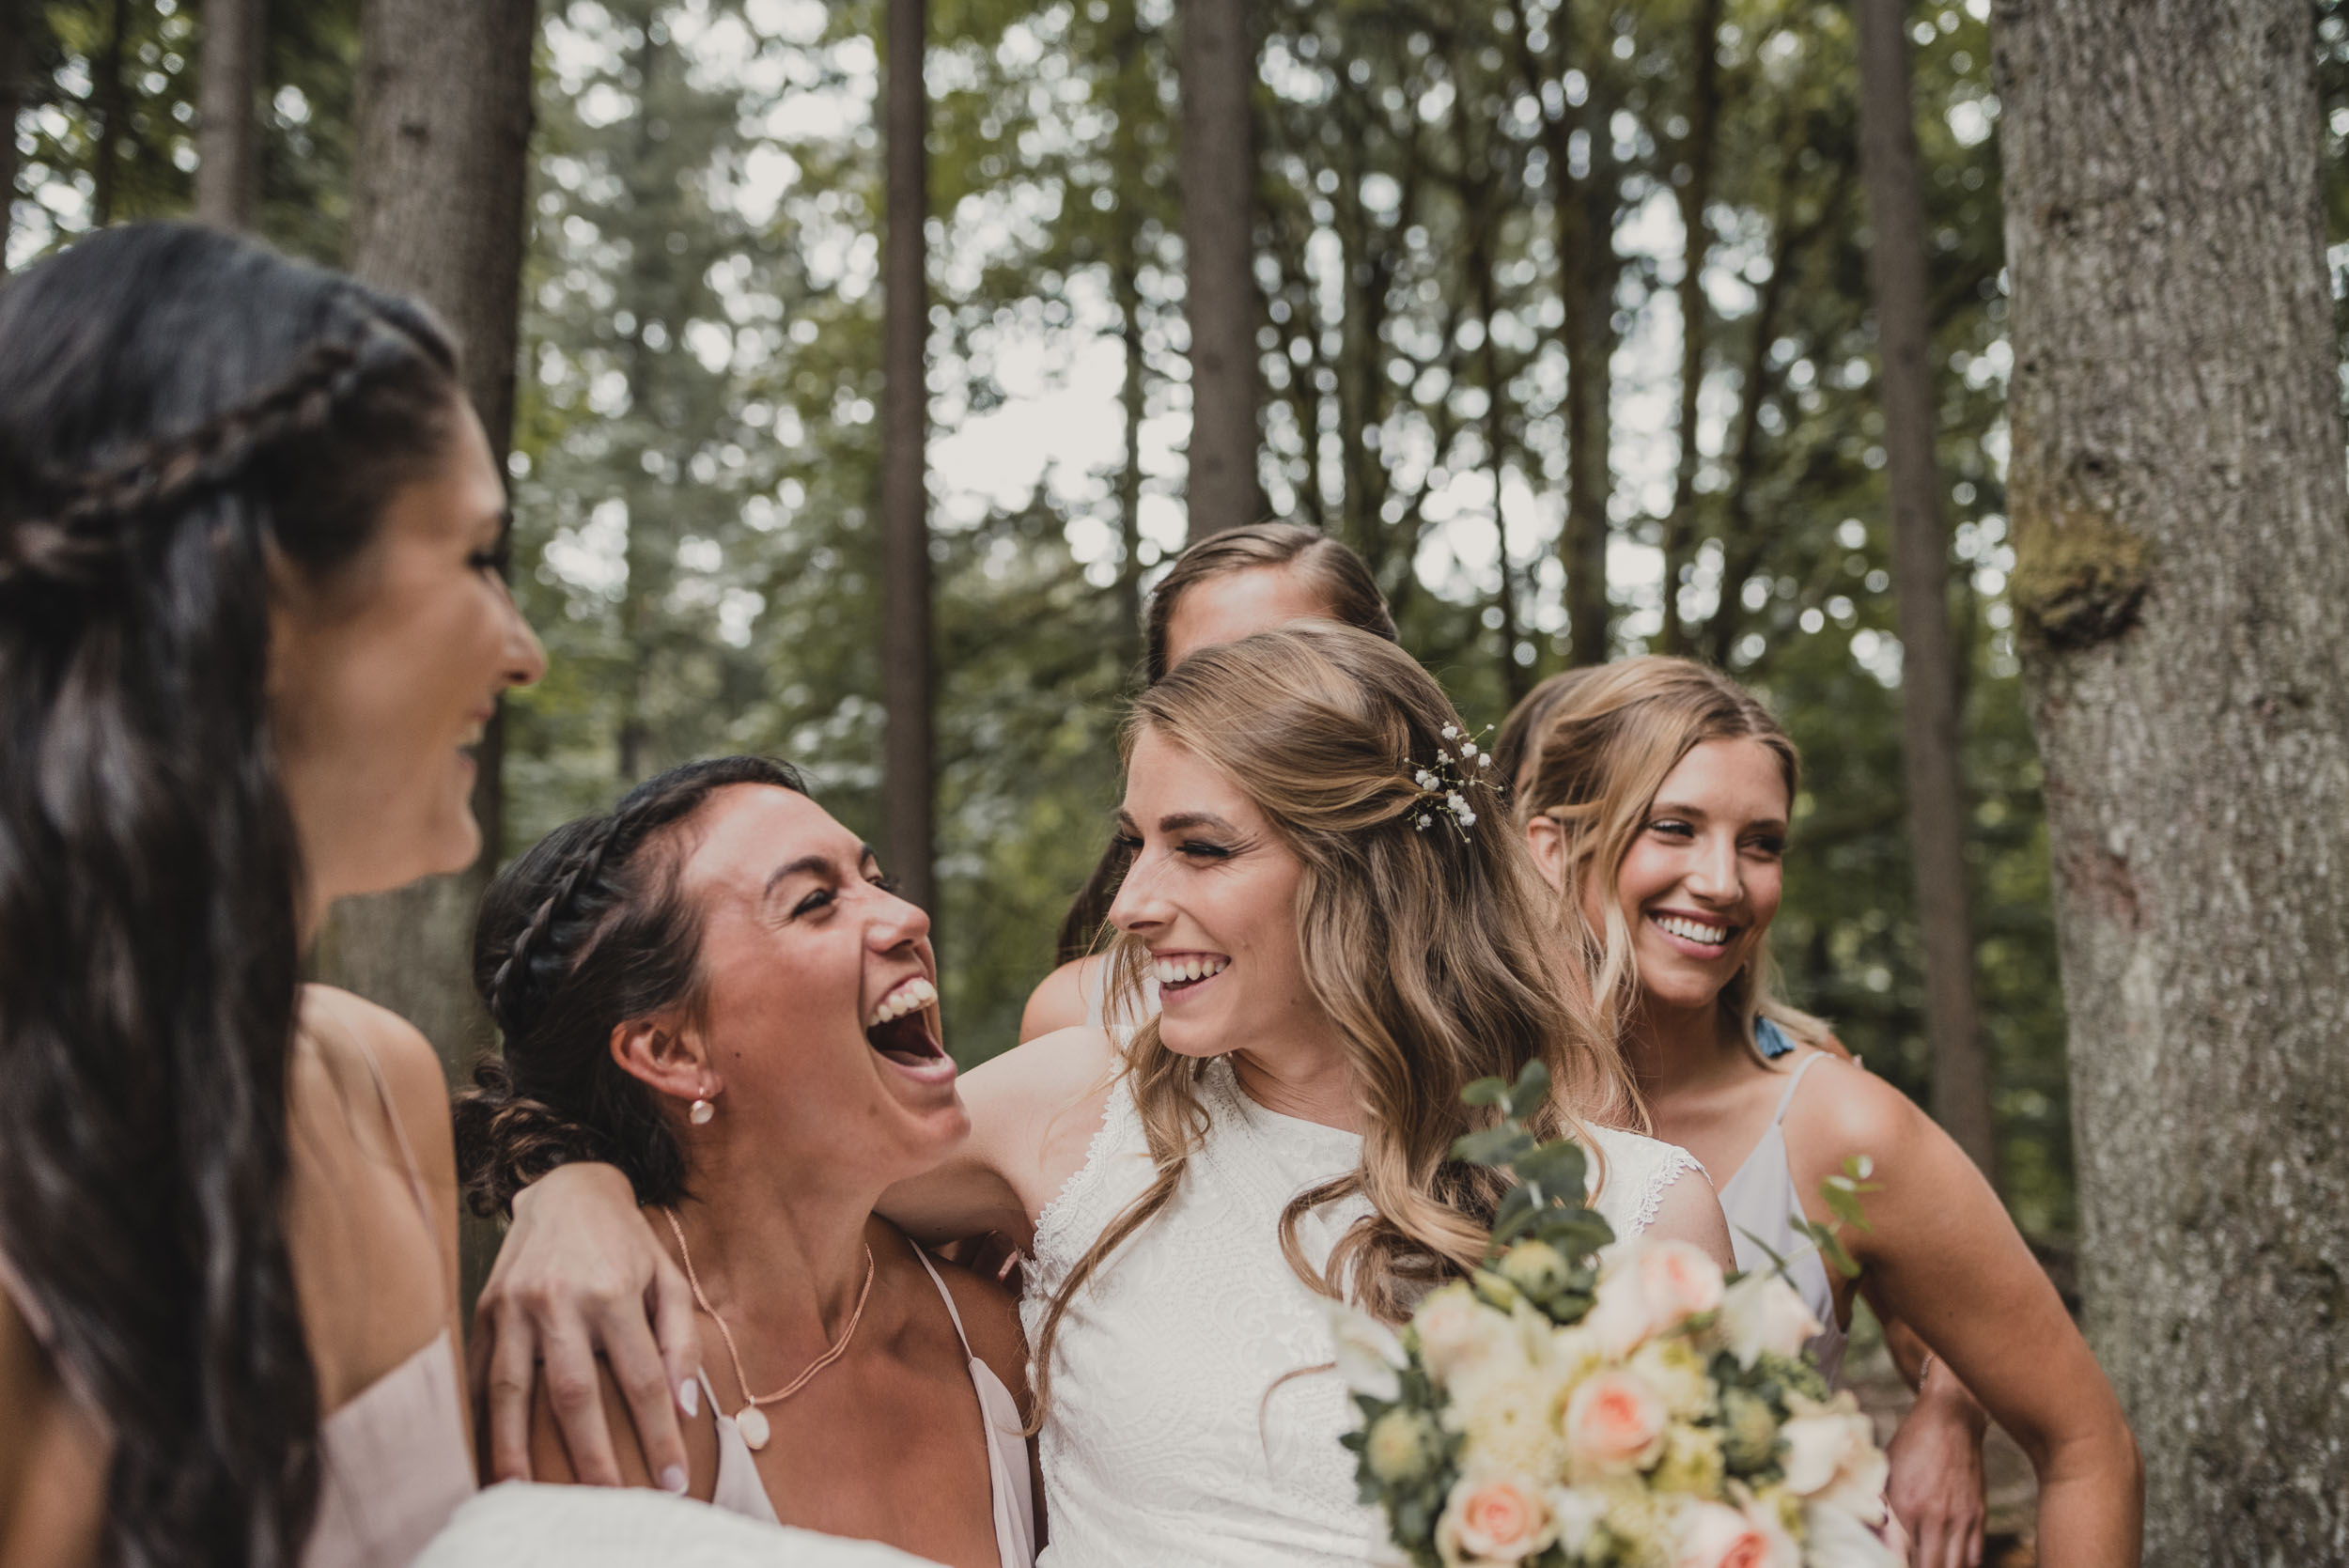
(587, 931)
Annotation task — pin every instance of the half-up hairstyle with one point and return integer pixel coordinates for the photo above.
(182, 416)
(586, 932)
(1603, 744)
(1349, 595)
(1428, 942)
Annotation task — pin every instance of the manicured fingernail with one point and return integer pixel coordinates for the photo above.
(673, 1479)
(688, 1397)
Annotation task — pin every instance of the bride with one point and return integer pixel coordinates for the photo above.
(1345, 933)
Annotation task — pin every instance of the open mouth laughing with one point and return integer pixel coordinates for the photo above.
(903, 1029)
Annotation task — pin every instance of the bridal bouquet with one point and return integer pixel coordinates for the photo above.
(1583, 1402)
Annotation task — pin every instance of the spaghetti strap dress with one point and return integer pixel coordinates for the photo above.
(1760, 1202)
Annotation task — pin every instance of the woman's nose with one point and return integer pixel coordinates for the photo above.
(898, 923)
(1715, 875)
(1139, 905)
(525, 657)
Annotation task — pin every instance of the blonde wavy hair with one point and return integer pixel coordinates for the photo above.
(1429, 947)
(1600, 743)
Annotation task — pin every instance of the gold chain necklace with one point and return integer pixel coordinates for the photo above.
(751, 1422)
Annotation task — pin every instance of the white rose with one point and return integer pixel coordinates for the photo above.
(1836, 1539)
(1763, 1313)
(1369, 1355)
(1832, 1459)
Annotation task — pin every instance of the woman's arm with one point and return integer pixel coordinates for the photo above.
(581, 1286)
(53, 1458)
(1942, 1256)
(1058, 1001)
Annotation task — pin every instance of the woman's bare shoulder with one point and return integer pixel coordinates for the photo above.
(53, 1456)
(348, 1031)
(1058, 1001)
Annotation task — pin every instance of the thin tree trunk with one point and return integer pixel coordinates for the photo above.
(110, 94)
(1932, 762)
(1589, 269)
(1696, 195)
(440, 154)
(1219, 178)
(2177, 499)
(16, 69)
(908, 784)
(227, 133)
(1126, 285)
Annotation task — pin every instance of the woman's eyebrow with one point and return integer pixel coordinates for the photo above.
(1186, 819)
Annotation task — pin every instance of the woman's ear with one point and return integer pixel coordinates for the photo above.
(1547, 838)
(666, 1058)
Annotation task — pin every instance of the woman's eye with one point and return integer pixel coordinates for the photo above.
(1769, 847)
(885, 881)
(1130, 843)
(1199, 850)
(813, 902)
(498, 560)
(1672, 828)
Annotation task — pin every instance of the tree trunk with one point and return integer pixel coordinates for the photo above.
(1219, 178)
(440, 155)
(16, 68)
(908, 786)
(1696, 194)
(1589, 270)
(1932, 762)
(110, 95)
(2177, 498)
(227, 133)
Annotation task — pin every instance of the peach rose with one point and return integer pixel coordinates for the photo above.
(1714, 1536)
(1614, 1423)
(1494, 1520)
(1832, 1457)
(1679, 1282)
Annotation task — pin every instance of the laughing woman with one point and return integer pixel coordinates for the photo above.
(713, 988)
(1655, 794)
(1343, 948)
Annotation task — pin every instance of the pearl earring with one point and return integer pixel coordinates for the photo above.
(701, 1113)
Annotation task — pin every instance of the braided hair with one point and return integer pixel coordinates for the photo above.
(182, 415)
(584, 932)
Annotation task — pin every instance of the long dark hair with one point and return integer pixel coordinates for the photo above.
(181, 414)
(583, 934)
(1346, 586)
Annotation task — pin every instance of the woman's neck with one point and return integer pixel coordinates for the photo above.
(1309, 1080)
(790, 1254)
(1669, 1049)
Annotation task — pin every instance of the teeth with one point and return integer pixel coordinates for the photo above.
(1174, 971)
(1688, 930)
(911, 996)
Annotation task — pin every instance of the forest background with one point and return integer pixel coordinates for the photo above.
(697, 459)
(1555, 304)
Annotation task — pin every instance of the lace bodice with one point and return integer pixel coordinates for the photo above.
(1171, 1436)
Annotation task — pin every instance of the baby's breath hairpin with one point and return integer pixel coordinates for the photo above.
(1443, 786)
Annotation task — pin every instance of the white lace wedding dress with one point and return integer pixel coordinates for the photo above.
(1171, 1436)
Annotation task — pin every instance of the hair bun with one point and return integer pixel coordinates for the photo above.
(505, 1141)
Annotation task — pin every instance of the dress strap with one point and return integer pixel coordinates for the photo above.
(946, 1296)
(1788, 1098)
(414, 1167)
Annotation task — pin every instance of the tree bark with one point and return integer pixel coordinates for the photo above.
(438, 172)
(227, 133)
(2177, 499)
(908, 784)
(1932, 762)
(1696, 195)
(1219, 178)
(110, 95)
(16, 68)
(1589, 269)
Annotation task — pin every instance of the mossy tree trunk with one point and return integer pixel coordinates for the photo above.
(2182, 539)
(227, 126)
(908, 788)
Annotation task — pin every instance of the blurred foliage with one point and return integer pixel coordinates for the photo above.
(697, 464)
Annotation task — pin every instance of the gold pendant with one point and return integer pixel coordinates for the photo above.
(751, 1424)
